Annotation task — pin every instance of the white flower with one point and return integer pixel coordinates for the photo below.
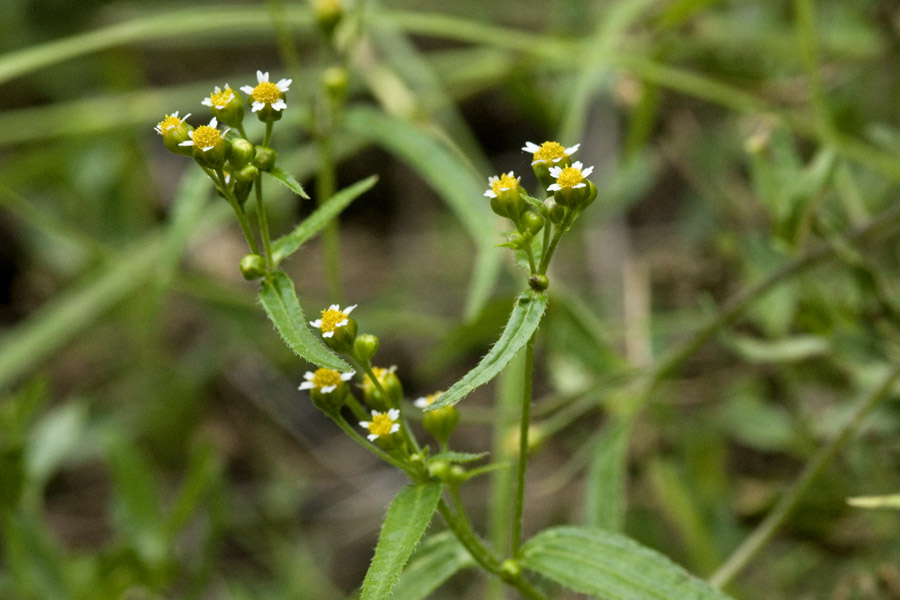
(332, 318)
(569, 177)
(549, 151)
(426, 401)
(219, 98)
(169, 122)
(324, 380)
(267, 93)
(382, 424)
(206, 136)
(504, 182)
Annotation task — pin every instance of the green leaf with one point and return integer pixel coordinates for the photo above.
(785, 350)
(606, 477)
(288, 181)
(280, 301)
(436, 560)
(288, 244)
(523, 322)
(609, 565)
(405, 523)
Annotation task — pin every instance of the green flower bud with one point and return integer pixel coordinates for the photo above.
(510, 570)
(265, 158)
(174, 130)
(335, 81)
(226, 106)
(439, 469)
(552, 211)
(391, 385)
(365, 346)
(253, 266)
(242, 152)
(241, 188)
(247, 174)
(441, 422)
(530, 221)
(328, 14)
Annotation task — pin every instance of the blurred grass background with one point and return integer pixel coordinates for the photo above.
(152, 441)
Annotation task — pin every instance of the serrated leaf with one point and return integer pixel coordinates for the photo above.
(290, 243)
(608, 565)
(278, 297)
(436, 560)
(405, 523)
(524, 320)
(288, 181)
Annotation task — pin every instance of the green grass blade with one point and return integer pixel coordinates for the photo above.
(279, 298)
(290, 243)
(405, 523)
(524, 320)
(605, 486)
(438, 559)
(609, 565)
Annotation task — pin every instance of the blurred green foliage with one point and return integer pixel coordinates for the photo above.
(152, 441)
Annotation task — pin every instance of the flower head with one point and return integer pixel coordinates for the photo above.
(332, 318)
(552, 152)
(571, 177)
(382, 424)
(170, 122)
(325, 380)
(219, 98)
(267, 94)
(205, 137)
(504, 182)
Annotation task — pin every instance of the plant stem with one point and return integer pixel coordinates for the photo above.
(348, 429)
(325, 189)
(219, 178)
(462, 529)
(524, 425)
(752, 544)
(263, 224)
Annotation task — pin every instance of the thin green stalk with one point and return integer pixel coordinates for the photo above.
(548, 251)
(238, 211)
(809, 52)
(263, 224)
(764, 531)
(462, 529)
(522, 466)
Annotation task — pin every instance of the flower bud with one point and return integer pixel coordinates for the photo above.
(265, 158)
(552, 211)
(530, 221)
(247, 174)
(365, 346)
(336, 81)
(538, 283)
(506, 197)
(253, 266)
(242, 152)
(328, 14)
(441, 422)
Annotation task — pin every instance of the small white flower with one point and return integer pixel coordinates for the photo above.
(267, 93)
(549, 151)
(504, 182)
(219, 98)
(169, 122)
(382, 424)
(569, 177)
(324, 380)
(426, 401)
(206, 135)
(332, 318)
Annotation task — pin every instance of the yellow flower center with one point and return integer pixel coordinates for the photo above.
(168, 123)
(266, 92)
(330, 319)
(550, 151)
(569, 177)
(206, 136)
(325, 377)
(430, 398)
(380, 425)
(505, 182)
(220, 99)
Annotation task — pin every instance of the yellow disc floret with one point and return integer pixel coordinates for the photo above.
(550, 152)
(569, 177)
(505, 182)
(325, 378)
(332, 318)
(266, 93)
(168, 123)
(206, 137)
(220, 98)
(381, 424)
(368, 385)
